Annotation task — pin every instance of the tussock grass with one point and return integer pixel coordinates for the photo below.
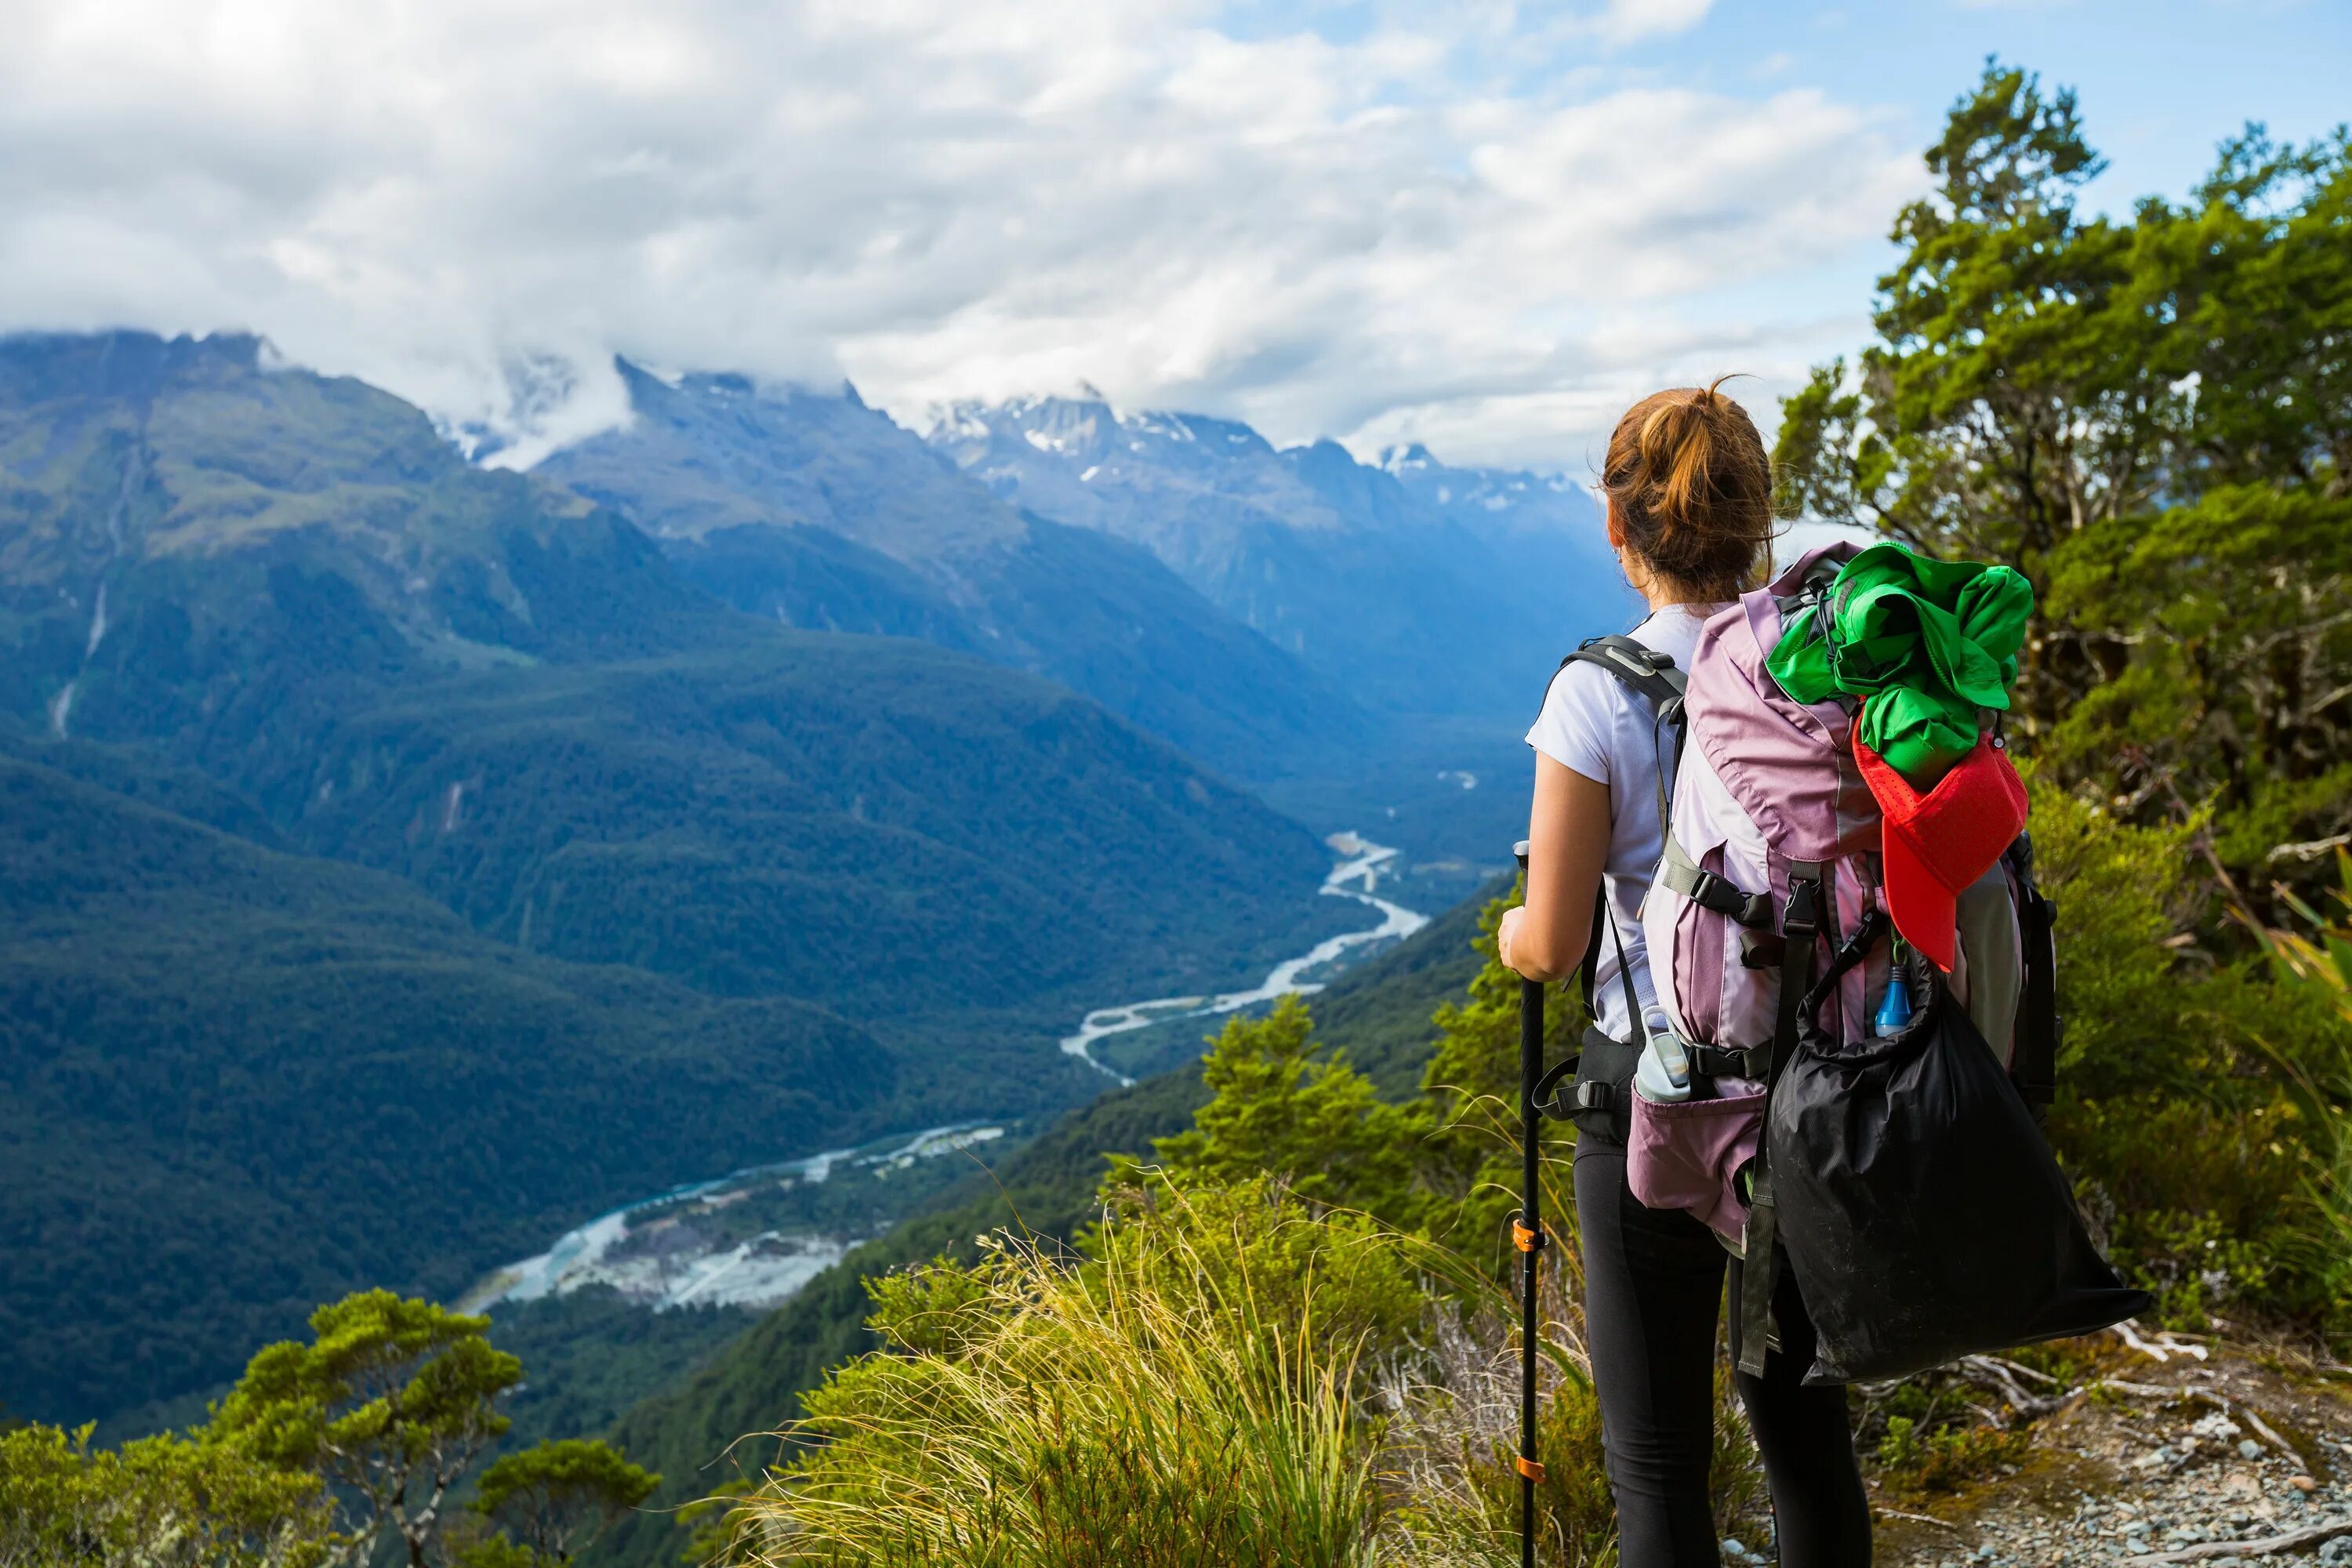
(1160, 1406)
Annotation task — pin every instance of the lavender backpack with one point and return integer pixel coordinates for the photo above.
(1771, 860)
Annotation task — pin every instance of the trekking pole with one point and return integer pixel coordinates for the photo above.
(1528, 1236)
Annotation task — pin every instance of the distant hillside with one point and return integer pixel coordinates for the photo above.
(490, 684)
(1379, 1013)
(816, 510)
(1414, 604)
(236, 1082)
(864, 823)
(197, 548)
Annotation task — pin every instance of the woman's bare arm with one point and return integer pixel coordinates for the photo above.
(1568, 843)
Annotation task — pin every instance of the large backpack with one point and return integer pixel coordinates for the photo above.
(1756, 793)
(1766, 931)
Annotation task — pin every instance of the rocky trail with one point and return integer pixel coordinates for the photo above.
(2167, 1452)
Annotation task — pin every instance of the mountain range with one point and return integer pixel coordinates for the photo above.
(405, 858)
(1417, 588)
(814, 510)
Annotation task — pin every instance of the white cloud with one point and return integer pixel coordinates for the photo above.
(1625, 21)
(940, 198)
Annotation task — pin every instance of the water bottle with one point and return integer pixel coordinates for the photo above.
(1895, 1007)
(1664, 1075)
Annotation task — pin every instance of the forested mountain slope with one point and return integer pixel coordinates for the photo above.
(816, 510)
(291, 583)
(234, 1082)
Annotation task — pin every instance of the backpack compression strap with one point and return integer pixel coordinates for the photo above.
(2041, 1031)
(1800, 926)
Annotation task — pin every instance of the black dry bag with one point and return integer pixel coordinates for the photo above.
(1923, 1213)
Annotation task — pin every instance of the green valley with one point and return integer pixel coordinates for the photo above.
(240, 1081)
(402, 863)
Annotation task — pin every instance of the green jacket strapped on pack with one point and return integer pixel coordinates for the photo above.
(1933, 642)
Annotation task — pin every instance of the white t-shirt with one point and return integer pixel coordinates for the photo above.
(1591, 724)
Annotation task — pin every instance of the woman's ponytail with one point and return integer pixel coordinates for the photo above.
(1693, 488)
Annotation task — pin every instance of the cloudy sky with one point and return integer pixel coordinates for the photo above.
(1482, 224)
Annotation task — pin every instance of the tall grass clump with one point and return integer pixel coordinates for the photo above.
(1190, 1394)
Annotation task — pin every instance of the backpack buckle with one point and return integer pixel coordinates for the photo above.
(1802, 918)
(1727, 1061)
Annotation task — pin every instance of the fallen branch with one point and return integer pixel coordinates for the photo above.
(2262, 1430)
(2000, 1376)
(2146, 1390)
(2163, 1348)
(2311, 851)
(2020, 1368)
(1917, 1518)
(2302, 1540)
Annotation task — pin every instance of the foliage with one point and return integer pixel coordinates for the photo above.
(1943, 1458)
(2171, 1115)
(556, 1498)
(391, 1402)
(1278, 1109)
(2147, 416)
(594, 1353)
(1153, 1408)
(1450, 1448)
(2317, 961)
(1469, 1112)
(2220, 631)
(348, 1450)
(161, 1502)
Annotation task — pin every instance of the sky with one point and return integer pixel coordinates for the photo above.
(1482, 224)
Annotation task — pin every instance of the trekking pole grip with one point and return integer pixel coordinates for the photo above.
(1529, 1235)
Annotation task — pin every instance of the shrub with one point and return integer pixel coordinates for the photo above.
(163, 1499)
(2193, 1110)
(1943, 1458)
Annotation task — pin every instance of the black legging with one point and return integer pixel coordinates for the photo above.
(1653, 1283)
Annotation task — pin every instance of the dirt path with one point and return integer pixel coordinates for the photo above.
(2224, 1459)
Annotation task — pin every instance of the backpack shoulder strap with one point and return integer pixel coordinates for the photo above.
(1639, 666)
(1651, 675)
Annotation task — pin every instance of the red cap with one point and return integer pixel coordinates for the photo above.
(1935, 845)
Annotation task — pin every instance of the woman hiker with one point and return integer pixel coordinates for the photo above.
(1689, 513)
